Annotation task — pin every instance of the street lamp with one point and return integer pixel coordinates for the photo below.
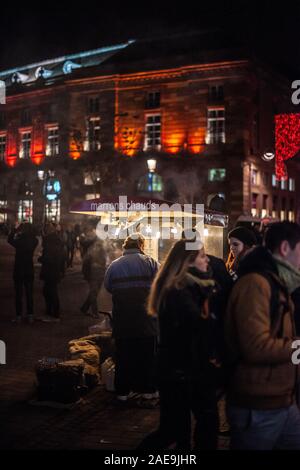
(151, 165)
(268, 156)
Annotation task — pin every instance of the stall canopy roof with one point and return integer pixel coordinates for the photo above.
(119, 207)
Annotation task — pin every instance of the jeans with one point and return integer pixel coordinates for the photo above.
(264, 429)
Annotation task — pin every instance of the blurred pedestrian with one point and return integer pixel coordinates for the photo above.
(52, 271)
(23, 239)
(93, 270)
(70, 246)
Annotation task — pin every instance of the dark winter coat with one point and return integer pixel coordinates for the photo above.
(52, 259)
(187, 332)
(25, 244)
(129, 279)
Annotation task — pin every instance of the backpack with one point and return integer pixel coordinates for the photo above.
(277, 310)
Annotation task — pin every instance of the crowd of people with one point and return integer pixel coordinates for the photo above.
(192, 330)
(58, 247)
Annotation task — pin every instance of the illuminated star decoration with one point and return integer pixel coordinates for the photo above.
(287, 141)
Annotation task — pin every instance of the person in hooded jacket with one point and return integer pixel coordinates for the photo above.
(186, 357)
(23, 239)
(52, 271)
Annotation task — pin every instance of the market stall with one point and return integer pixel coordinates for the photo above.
(161, 222)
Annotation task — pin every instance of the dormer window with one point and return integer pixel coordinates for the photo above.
(41, 72)
(18, 77)
(69, 66)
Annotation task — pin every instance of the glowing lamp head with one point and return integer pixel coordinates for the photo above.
(151, 165)
(268, 156)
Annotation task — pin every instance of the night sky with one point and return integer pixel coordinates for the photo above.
(32, 32)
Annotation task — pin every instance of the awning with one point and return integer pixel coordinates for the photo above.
(139, 207)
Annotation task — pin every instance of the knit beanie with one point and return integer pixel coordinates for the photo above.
(243, 234)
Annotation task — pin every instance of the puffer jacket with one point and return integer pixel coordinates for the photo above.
(264, 376)
(129, 279)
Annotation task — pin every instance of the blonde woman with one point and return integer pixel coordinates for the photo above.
(180, 298)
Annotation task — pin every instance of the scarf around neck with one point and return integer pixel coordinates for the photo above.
(288, 274)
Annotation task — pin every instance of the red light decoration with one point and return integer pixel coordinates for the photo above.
(287, 141)
(37, 158)
(11, 160)
(74, 150)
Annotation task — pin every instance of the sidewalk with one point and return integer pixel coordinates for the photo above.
(96, 423)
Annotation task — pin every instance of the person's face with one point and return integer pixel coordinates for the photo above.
(289, 254)
(201, 261)
(236, 246)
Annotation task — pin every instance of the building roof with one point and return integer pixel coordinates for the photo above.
(60, 66)
(141, 55)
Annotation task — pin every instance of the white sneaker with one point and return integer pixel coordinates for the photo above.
(151, 396)
(47, 319)
(122, 397)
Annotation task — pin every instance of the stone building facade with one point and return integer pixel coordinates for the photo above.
(85, 125)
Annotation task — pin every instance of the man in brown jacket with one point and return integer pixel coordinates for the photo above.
(260, 330)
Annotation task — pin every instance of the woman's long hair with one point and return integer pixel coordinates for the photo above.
(171, 274)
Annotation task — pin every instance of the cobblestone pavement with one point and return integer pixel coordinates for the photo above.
(95, 423)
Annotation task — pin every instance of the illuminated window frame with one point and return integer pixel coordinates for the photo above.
(92, 142)
(216, 174)
(255, 177)
(3, 142)
(274, 181)
(25, 210)
(52, 210)
(215, 133)
(3, 217)
(25, 141)
(152, 132)
(52, 147)
(292, 184)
